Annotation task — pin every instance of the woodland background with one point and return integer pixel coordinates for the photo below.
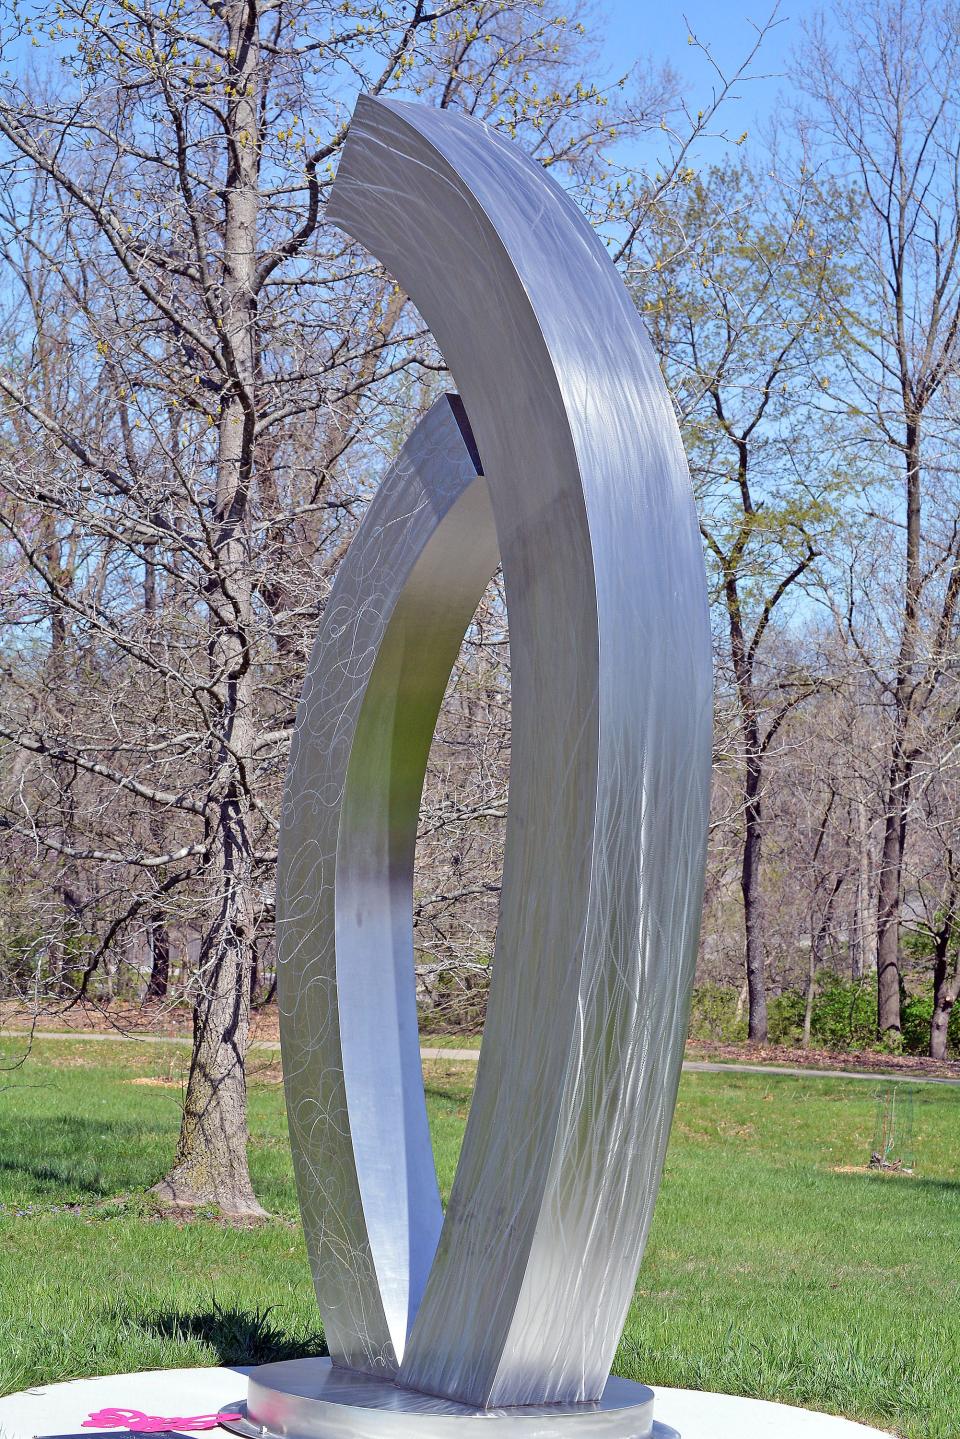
(201, 382)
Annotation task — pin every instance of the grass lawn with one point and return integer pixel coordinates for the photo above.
(769, 1270)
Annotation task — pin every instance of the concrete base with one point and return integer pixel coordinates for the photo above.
(61, 1408)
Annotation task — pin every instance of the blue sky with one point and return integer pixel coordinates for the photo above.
(638, 28)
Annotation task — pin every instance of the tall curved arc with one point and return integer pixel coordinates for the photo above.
(611, 679)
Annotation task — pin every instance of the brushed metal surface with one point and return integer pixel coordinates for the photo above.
(603, 871)
(402, 599)
(611, 676)
(302, 1398)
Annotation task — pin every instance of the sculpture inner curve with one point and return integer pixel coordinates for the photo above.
(394, 621)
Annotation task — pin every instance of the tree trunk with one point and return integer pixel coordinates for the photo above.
(889, 903)
(159, 981)
(889, 896)
(752, 901)
(946, 988)
(818, 945)
(811, 990)
(863, 945)
(819, 933)
(157, 932)
(256, 974)
(65, 956)
(945, 996)
(211, 1163)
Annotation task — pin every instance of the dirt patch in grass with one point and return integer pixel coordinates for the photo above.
(872, 1169)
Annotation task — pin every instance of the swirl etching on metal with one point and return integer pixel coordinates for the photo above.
(570, 472)
(403, 597)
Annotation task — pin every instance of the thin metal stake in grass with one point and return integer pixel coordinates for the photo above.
(893, 1128)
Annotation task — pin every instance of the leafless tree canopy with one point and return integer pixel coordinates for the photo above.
(201, 381)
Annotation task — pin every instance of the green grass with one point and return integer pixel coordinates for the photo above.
(767, 1273)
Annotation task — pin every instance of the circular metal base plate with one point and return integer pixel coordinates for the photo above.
(311, 1399)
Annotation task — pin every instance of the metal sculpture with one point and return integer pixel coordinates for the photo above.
(570, 470)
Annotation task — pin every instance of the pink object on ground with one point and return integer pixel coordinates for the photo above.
(142, 1423)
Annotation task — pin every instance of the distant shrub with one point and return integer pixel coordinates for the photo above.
(915, 1016)
(917, 1010)
(844, 1016)
(455, 1002)
(713, 1016)
(785, 1017)
(844, 1012)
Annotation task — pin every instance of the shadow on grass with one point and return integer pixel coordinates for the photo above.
(72, 1156)
(450, 1097)
(238, 1336)
(908, 1183)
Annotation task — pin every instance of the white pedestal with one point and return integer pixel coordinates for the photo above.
(61, 1408)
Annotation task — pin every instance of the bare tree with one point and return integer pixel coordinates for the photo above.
(198, 380)
(932, 864)
(459, 858)
(733, 297)
(884, 81)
